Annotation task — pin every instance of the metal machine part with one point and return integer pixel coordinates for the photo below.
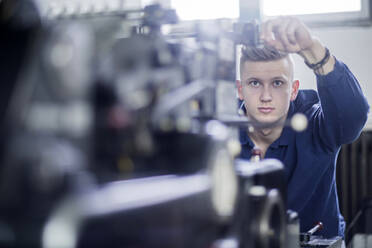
(293, 229)
(305, 237)
(315, 241)
(143, 209)
(248, 33)
(268, 220)
(267, 172)
(263, 192)
(179, 205)
(308, 239)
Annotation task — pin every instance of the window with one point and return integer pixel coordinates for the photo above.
(206, 9)
(314, 12)
(303, 7)
(321, 12)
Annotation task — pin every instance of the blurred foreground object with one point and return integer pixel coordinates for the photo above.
(114, 134)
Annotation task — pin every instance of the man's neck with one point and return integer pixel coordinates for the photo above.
(263, 138)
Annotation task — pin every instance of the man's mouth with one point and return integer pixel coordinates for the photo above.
(265, 110)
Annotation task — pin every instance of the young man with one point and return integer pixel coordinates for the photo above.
(336, 116)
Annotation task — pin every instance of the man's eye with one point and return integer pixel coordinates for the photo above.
(254, 83)
(277, 83)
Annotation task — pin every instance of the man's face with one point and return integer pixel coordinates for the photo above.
(267, 89)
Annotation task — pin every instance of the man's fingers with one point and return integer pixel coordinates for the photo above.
(268, 34)
(267, 31)
(281, 35)
(275, 33)
(291, 31)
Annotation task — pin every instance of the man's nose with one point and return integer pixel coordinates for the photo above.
(266, 94)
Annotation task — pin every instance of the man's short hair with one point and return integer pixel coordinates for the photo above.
(260, 54)
(266, 53)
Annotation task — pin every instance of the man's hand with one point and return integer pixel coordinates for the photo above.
(289, 34)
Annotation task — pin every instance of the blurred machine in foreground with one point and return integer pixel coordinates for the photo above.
(115, 134)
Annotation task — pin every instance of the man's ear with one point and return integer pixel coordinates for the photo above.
(294, 90)
(239, 86)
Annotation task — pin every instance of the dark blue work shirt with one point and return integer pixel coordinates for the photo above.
(336, 115)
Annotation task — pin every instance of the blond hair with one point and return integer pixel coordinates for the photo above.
(259, 54)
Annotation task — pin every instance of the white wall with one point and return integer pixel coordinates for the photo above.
(352, 45)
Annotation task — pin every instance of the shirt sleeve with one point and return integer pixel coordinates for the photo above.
(343, 107)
